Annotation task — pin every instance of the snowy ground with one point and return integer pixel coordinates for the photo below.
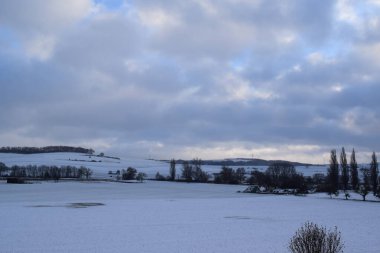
(102, 165)
(171, 217)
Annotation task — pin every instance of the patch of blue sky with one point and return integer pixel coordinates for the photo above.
(111, 4)
(241, 61)
(9, 39)
(336, 48)
(363, 8)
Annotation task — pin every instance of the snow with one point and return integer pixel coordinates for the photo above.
(171, 217)
(166, 216)
(100, 169)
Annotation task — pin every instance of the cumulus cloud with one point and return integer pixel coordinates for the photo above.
(281, 80)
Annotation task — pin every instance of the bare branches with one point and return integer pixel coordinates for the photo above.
(311, 238)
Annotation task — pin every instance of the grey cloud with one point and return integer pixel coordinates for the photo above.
(116, 83)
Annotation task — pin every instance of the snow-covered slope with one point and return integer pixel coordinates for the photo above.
(101, 165)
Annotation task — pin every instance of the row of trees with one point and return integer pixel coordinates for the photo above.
(341, 175)
(278, 175)
(48, 149)
(191, 172)
(46, 172)
(344, 176)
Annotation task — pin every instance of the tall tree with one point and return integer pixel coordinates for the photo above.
(344, 168)
(333, 174)
(354, 171)
(374, 173)
(172, 171)
(187, 171)
(365, 187)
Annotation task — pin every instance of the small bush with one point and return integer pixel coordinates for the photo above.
(311, 238)
(129, 174)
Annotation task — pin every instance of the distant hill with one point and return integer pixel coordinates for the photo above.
(244, 162)
(47, 149)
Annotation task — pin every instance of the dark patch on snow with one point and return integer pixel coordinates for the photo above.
(238, 217)
(43, 206)
(84, 204)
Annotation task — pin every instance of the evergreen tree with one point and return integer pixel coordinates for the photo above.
(365, 187)
(344, 168)
(354, 171)
(333, 174)
(172, 171)
(374, 173)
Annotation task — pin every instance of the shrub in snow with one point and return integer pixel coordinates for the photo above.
(129, 174)
(311, 238)
(140, 177)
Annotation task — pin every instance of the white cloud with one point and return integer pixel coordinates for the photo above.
(40, 47)
(370, 52)
(158, 18)
(239, 89)
(318, 58)
(346, 12)
(337, 87)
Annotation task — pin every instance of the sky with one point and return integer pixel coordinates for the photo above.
(281, 79)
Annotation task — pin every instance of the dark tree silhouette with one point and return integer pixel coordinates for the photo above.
(226, 176)
(333, 174)
(344, 168)
(374, 168)
(365, 187)
(172, 171)
(187, 172)
(354, 171)
(3, 168)
(129, 174)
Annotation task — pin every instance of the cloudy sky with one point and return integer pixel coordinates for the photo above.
(281, 79)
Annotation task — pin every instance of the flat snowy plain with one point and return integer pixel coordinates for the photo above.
(170, 217)
(165, 216)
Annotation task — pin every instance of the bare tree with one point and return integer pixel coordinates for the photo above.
(187, 171)
(3, 167)
(240, 175)
(311, 238)
(140, 177)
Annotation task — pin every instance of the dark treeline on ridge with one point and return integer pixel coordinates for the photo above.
(47, 149)
(45, 172)
(241, 162)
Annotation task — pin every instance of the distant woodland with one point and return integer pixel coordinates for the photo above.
(48, 149)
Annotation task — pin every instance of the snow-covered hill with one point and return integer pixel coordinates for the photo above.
(101, 165)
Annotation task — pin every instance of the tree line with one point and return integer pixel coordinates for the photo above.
(46, 172)
(47, 149)
(278, 175)
(341, 175)
(345, 177)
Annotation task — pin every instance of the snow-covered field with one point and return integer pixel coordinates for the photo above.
(170, 217)
(101, 165)
(165, 216)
